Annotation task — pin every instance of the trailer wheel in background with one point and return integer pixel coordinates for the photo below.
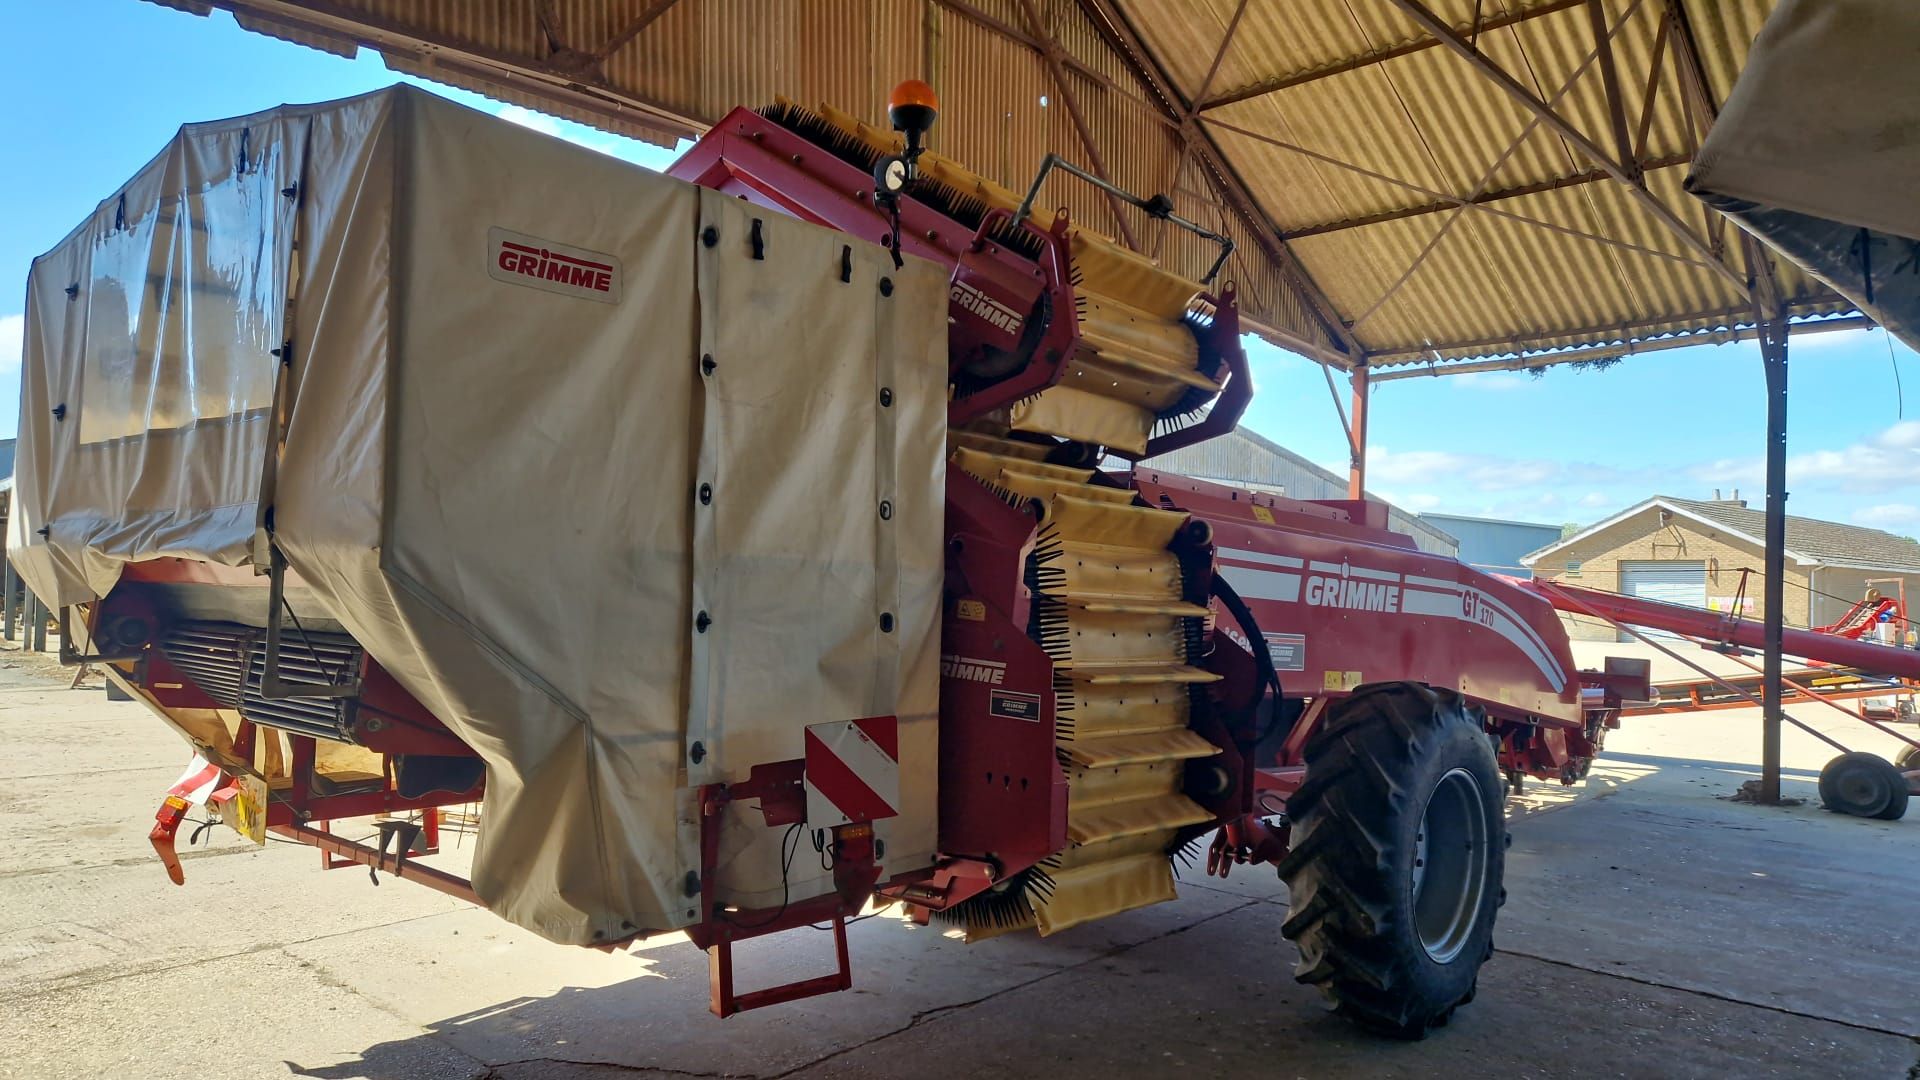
(1399, 847)
(1909, 759)
(1864, 785)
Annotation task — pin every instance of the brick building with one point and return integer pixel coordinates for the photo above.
(1693, 552)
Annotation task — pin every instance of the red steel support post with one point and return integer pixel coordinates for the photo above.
(1357, 473)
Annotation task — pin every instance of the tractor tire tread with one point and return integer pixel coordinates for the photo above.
(1339, 871)
(1888, 775)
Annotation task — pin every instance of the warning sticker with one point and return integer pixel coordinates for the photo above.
(1289, 651)
(852, 771)
(1341, 680)
(1014, 705)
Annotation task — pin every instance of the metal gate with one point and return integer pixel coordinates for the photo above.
(1670, 581)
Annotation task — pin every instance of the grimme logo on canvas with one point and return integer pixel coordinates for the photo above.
(519, 259)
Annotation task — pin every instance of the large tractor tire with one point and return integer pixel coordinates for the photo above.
(1399, 846)
(1864, 785)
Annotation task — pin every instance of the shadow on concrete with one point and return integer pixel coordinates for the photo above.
(1201, 1002)
(1652, 926)
(1702, 763)
(512, 1020)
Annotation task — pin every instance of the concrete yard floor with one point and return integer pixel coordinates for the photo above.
(1653, 929)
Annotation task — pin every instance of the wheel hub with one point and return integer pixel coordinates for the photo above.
(1860, 787)
(1450, 865)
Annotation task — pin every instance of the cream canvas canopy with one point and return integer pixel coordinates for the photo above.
(497, 419)
(1818, 150)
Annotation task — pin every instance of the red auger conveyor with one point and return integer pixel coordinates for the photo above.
(1828, 645)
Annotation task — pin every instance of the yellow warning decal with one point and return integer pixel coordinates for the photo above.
(1261, 513)
(246, 812)
(1341, 680)
(971, 610)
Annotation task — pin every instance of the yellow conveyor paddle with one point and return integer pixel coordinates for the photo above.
(1111, 610)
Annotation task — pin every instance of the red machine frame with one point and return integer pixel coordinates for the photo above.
(1326, 585)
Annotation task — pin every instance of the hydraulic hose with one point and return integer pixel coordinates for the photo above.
(1262, 658)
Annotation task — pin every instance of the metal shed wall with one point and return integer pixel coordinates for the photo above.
(1245, 459)
(1495, 545)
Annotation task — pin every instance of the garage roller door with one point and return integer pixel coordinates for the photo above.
(1671, 582)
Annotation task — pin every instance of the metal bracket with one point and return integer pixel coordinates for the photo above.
(717, 934)
(1159, 207)
(347, 850)
(272, 686)
(408, 832)
(72, 657)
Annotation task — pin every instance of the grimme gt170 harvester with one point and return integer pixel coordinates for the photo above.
(402, 458)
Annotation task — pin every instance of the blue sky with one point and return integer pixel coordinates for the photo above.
(1569, 446)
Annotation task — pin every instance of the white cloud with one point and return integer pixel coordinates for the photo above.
(1417, 501)
(527, 118)
(12, 332)
(633, 151)
(1726, 473)
(1887, 461)
(1890, 459)
(1894, 517)
(1477, 472)
(1515, 488)
(1496, 381)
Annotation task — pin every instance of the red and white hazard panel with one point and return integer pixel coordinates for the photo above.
(853, 771)
(197, 783)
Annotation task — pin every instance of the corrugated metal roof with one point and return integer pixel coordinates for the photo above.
(1337, 139)
(1335, 158)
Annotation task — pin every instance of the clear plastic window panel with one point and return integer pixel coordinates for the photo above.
(186, 298)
